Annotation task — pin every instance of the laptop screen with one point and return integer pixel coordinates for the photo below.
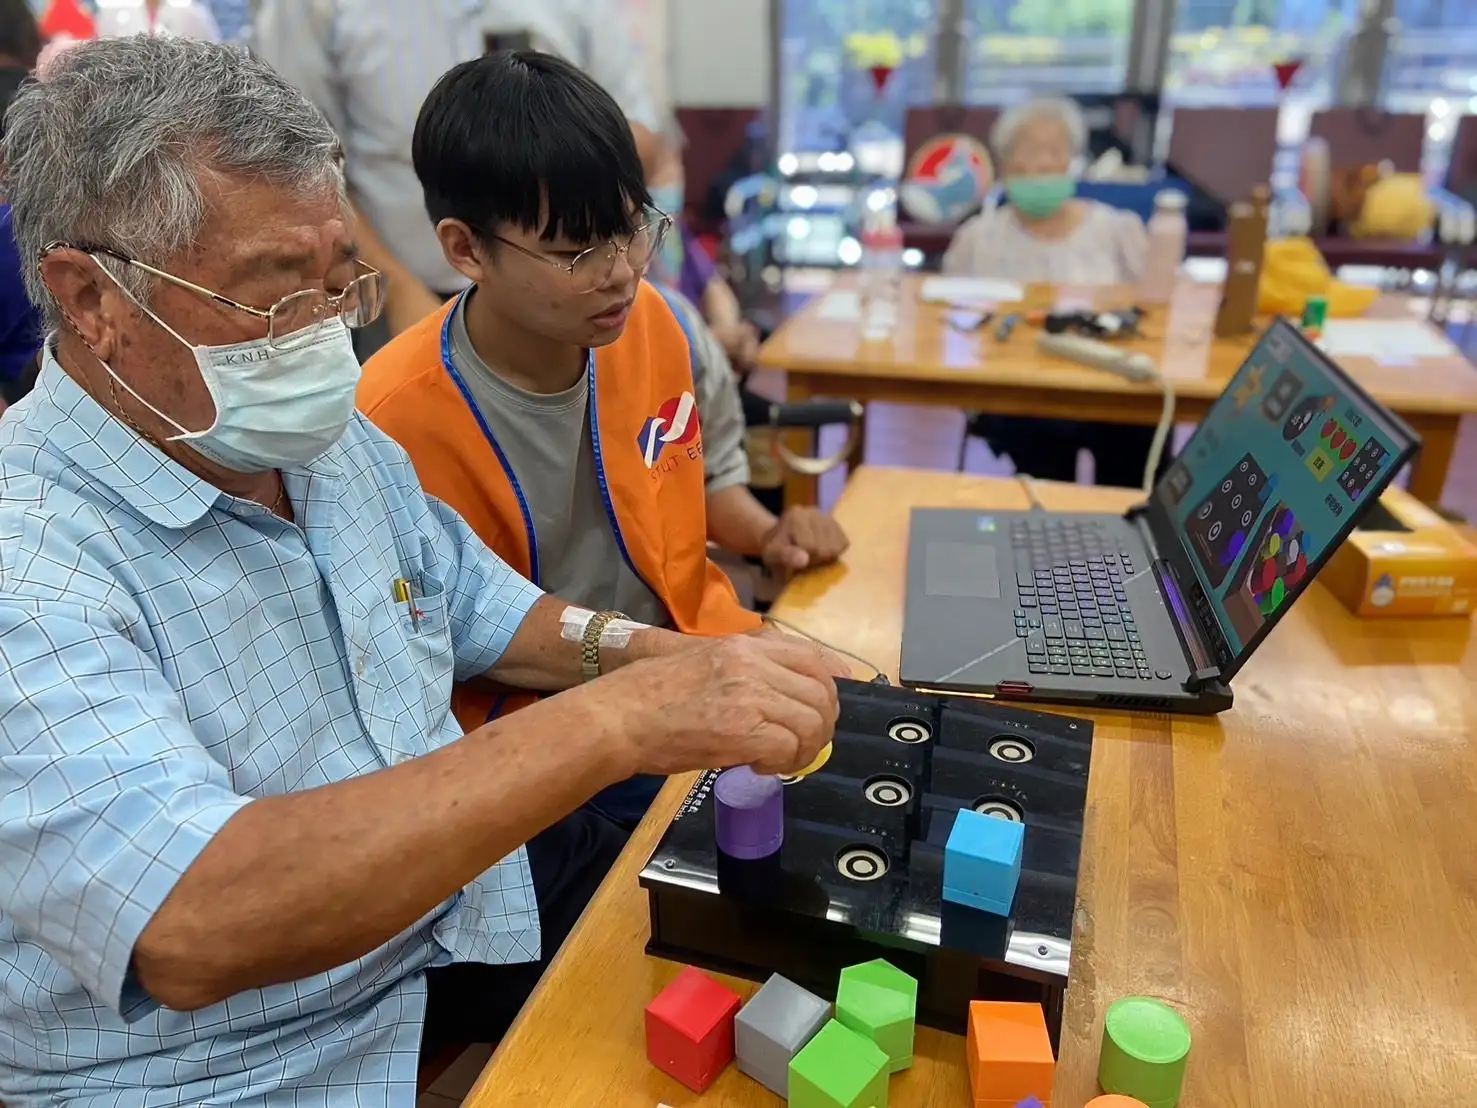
(1274, 478)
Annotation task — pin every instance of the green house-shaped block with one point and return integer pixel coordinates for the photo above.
(878, 1000)
(838, 1069)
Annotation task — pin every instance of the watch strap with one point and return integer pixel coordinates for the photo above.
(590, 643)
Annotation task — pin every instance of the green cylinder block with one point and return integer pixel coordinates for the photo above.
(1146, 1045)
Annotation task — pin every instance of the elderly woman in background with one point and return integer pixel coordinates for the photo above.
(684, 263)
(1045, 233)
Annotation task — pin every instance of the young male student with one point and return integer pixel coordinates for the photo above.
(552, 404)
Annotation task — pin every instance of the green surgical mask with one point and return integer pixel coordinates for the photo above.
(1040, 197)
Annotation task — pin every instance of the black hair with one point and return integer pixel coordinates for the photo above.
(520, 137)
(20, 38)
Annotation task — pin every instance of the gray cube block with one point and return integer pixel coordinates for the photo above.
(773, 1027)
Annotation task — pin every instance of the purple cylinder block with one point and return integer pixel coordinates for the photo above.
(749, 814)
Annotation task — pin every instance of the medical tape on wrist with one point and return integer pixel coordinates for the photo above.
(616, 635)
(573, 622)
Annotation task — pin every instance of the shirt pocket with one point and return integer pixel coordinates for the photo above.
(427, 636)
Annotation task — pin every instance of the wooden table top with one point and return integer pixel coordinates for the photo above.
(1178, 337)
(1296, 876)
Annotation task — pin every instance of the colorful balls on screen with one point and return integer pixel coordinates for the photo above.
(1274, 544)
(1337, 439)
(1266, 576)
(1279, 592)
(1348, 451)
(1329, 427)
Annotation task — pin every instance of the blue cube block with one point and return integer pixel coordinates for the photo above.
(982, 862)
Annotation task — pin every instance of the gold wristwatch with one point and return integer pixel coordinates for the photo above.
(590, 644)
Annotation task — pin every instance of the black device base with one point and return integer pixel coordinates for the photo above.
(861, 869)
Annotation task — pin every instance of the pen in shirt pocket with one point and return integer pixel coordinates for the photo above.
(408, 591)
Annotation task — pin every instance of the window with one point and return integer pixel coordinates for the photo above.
(1431, 67)
(1227, 51)
(828, 98)
(1020, 48)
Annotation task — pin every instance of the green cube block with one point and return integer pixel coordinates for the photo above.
(838, 1069)
(880, 1001)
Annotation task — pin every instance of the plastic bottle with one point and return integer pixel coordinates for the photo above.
(1168, 233)
(882, 274)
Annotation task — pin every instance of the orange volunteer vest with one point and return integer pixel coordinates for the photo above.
(648, 452)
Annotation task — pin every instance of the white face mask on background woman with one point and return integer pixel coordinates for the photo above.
(276, 406)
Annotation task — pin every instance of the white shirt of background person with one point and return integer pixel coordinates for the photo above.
(116, 18)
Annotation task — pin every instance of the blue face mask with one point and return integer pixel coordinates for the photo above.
(670, 198)
(1040, 197)
(667, 266)
(274, 408)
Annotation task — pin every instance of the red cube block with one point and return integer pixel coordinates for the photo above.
(689, 1029)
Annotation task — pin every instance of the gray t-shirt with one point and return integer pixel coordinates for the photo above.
(719, 406)
(546, 439)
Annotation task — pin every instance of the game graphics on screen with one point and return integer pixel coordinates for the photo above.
(1263, 486)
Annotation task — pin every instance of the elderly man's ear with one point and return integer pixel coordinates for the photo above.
(93, 304)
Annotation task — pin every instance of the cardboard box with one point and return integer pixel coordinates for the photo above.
(1404, 560)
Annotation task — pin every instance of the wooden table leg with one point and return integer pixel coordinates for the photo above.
(1428, 471)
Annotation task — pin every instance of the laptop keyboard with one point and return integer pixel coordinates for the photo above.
(1073, 613)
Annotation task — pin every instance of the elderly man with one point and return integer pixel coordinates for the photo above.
(246, 855)
(369, 63)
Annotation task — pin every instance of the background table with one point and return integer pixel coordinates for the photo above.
(1296, 876)
(928, 362)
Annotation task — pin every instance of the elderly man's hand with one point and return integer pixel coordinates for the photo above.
(766, 701)
(803, 539)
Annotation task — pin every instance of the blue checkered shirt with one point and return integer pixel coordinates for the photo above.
(167, 653)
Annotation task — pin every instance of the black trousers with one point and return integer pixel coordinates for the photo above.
(475, 1003)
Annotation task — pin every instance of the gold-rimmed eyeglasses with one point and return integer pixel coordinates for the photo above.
(358, 305)
(590, 269)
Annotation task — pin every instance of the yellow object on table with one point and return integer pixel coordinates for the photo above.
(1293, 270)
(820, 760)
(1395, 207)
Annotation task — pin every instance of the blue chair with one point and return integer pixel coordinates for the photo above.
(20, 322)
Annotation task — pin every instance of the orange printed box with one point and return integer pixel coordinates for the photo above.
(1404, 560)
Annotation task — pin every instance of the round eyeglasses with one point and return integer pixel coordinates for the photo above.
(591, 269)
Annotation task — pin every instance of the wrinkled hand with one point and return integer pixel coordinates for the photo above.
(765, 700)
(835, 664)
(803, 539)
(408, 305)
(740, 341)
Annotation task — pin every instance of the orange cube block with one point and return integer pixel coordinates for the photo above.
(1009, 1053)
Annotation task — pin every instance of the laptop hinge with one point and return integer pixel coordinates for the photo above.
(1195, 638)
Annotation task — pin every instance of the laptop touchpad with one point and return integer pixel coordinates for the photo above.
(962, 569)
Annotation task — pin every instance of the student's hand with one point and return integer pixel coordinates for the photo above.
(409, 302)
(764, 700)
(740, 341)
(803, 539)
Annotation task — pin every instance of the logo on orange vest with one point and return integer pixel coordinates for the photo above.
(676, 421)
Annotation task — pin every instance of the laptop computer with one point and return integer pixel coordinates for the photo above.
(1158, 608)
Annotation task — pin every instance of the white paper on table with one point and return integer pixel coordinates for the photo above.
(1390, 342)
(841, 306)
(969, 290)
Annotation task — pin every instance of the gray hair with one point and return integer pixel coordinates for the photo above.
(108, 150)
(1057, 109)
